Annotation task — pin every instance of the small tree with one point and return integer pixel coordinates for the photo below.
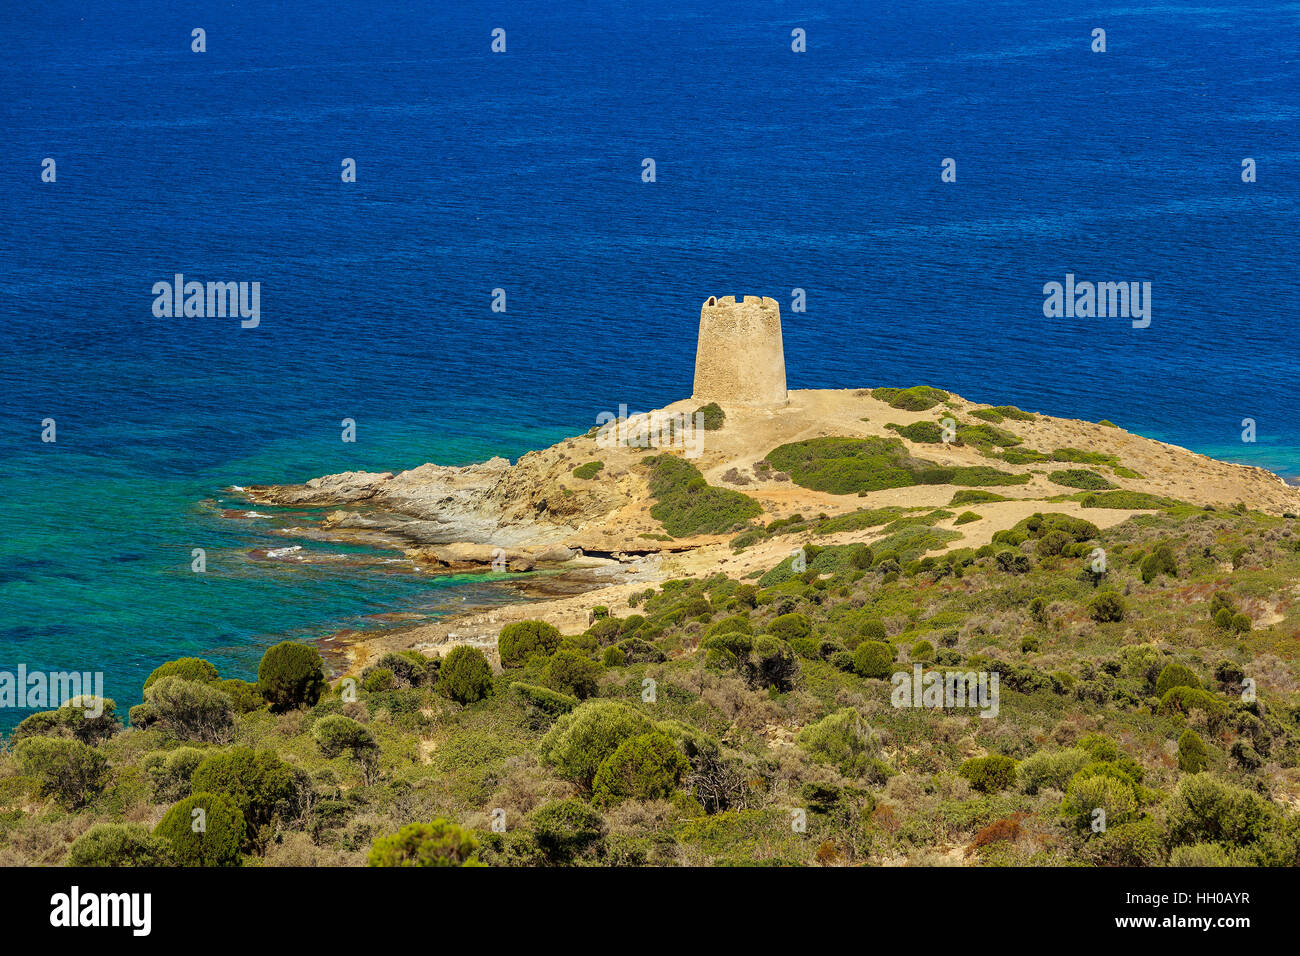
(873, 659)
(521, 640)
(1176, 675)
(190, 710)
(245, 696)
(71, 772)
(291, 675)
(645, 767)
(571, 673)
(1192, 755)
(259, 783)
(772, 663)
(336, 735)
(581, 740)
(71, 720)
(190, 668)
(440, 843)
(205, 829)
(465, 675)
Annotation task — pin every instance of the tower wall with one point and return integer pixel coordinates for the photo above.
(739, 357)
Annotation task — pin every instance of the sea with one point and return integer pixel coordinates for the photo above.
(544, 195)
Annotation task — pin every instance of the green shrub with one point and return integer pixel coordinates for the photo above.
(586, 643)
(987, 436)
(789, 626)
(520, 640)
(971, 475)
(1160, 561)
(291, 675)
(117, 844)
(1139, 843)
(1135, 500)
(378, 680)
(736, 624)
(771, 663)
(258, 783)
(873, 659)
(1052, 770)
(567, 829)
(989, 774)
(465, 675)
(1183, 700)
(644, 767)
(713, 416)
(727, 650)
(1176, 675)
(70, 772)
(840, 739)
(573, 674)
(847, 465)
(922, 432)
(1015, 414)
(1200, 854)
(1192, 755)
(71, 720)
(440, 843)
(143, 716)
(245, 697)
(1206, 810)
(918, 398)
(544, 699)
(588, 471)
(1107, 607)
(1080, 478)
(972, 496)
(205, 829)
(190, 668)
(1086, 794)
(686, 505)
(966, 517)
(581, 740)
(190, 710)
(873, 629)
(336, 735)
(171, 771)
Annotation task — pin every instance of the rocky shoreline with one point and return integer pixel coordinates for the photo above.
(566, 536)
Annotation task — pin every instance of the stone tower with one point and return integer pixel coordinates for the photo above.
(739, 358)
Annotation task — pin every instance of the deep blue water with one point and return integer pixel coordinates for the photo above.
(522, 171)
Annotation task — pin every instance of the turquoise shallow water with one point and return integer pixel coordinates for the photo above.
(99, 575)
(778, 171)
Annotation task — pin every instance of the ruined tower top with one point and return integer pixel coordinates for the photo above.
(739, 358)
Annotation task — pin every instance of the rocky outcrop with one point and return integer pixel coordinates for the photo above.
(539, 514)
